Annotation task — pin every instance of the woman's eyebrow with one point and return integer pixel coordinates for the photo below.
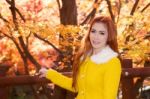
(92, 29)
(101, 31)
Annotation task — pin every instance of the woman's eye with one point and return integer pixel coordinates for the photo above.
(102, 33)
(93, 31)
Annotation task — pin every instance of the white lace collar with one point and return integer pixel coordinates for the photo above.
(104, 55)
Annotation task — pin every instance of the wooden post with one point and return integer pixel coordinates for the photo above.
(59, 93)
(127, 82)
(3, 89)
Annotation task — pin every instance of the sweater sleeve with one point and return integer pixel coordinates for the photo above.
(112, 79)
(60, 80)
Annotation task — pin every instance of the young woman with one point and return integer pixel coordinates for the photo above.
(96, 67)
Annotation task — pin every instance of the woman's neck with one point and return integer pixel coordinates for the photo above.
(97, 50)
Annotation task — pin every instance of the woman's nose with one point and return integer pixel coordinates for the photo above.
(96, 35)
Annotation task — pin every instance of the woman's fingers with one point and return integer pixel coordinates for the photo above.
(42, 75)
(42, 72)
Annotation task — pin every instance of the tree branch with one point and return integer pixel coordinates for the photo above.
(20, 14)
(6, 35)
(110, 10)
(120, 5)
(14, 10)
(23, 56)
(134, 7)
(28, 54)
(9, 2)
(58, 2)
(145, 7)
(20, 51)
(147, 36)
(1, 17)
(46, 41)
(91, 14)
(27, 39)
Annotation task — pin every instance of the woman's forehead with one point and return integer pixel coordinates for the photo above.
(99, 25)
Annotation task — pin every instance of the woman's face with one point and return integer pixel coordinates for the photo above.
(98, 35)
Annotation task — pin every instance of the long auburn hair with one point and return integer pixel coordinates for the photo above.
(86, 46)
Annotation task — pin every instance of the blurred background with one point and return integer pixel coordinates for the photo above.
(47, 33)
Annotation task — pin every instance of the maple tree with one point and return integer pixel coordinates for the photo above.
(43, 33)
(35, 23)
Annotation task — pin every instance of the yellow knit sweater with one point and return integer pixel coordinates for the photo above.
(94, 81)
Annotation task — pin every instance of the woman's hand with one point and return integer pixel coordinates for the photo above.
(42, 72)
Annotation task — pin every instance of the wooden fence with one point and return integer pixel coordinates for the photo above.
(127, 84)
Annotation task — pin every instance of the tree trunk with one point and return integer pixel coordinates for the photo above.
(127, 83)
(68, 12)
(68, 16)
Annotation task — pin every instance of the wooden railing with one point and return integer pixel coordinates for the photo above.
(128, 73)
